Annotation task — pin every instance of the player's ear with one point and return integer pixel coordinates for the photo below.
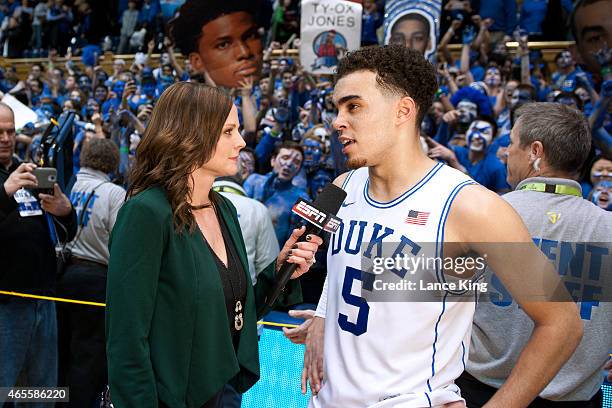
(406, 110)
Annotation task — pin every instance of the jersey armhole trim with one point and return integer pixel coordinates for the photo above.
(346, 180)
(439, 253)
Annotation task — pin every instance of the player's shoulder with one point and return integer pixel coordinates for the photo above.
(343, 179)
(478, 212)
(477, 200)
(339, 181)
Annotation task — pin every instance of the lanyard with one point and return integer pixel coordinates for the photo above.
(228, 189)
(552, 188)
(52, 230)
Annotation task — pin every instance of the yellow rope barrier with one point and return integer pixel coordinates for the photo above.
(82, 302)
(25, 295)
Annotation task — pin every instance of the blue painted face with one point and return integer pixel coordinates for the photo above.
(493, 77)
(287, 163)
(468, 111)
(85, 83)
(312, 153)
(48, 108)
(100, 94)
(479, 135)
(602, 195)
(118, 88)
(92, 107)
(565, 60)
(519, 98)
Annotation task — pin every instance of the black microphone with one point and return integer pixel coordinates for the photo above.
(319, 217)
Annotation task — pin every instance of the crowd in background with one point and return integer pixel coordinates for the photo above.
(32, 28)
(467, 127)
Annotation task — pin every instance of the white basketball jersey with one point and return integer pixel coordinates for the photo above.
(391, 354)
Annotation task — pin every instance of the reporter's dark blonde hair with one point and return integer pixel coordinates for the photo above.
(182, 135)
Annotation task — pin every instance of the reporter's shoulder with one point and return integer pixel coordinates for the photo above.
(151, 202)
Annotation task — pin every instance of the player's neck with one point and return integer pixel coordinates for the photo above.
(401, 170)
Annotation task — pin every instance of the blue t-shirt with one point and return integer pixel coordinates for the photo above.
(564, 82)
(489, 172)
(501, 141)
(369, 24)
(503, 122)
(586, 189)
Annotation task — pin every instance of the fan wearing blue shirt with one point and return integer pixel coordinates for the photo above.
(521, 95)
(275, 189)
(565, 76)
(484, 168)
(371, 20)
(503, 13)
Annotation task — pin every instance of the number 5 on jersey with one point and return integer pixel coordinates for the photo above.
(361, 325)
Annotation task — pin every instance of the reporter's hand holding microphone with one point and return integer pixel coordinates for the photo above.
(300, 253)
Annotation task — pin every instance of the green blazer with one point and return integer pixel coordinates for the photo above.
(167, 332)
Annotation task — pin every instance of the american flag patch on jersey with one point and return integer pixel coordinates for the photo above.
(417, 217)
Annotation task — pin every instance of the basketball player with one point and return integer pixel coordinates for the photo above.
(408, 354)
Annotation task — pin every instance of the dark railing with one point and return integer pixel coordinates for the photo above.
(549, 50)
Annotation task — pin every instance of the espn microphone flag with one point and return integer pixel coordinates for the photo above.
(417, 217)
(325, 221)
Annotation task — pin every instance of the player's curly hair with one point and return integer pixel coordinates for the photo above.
(398, 70)
(186, 28)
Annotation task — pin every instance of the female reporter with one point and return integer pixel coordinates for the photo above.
(181, 310)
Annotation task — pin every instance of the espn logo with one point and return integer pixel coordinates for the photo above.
(309, 213)
(312, 214)
(332, 224)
